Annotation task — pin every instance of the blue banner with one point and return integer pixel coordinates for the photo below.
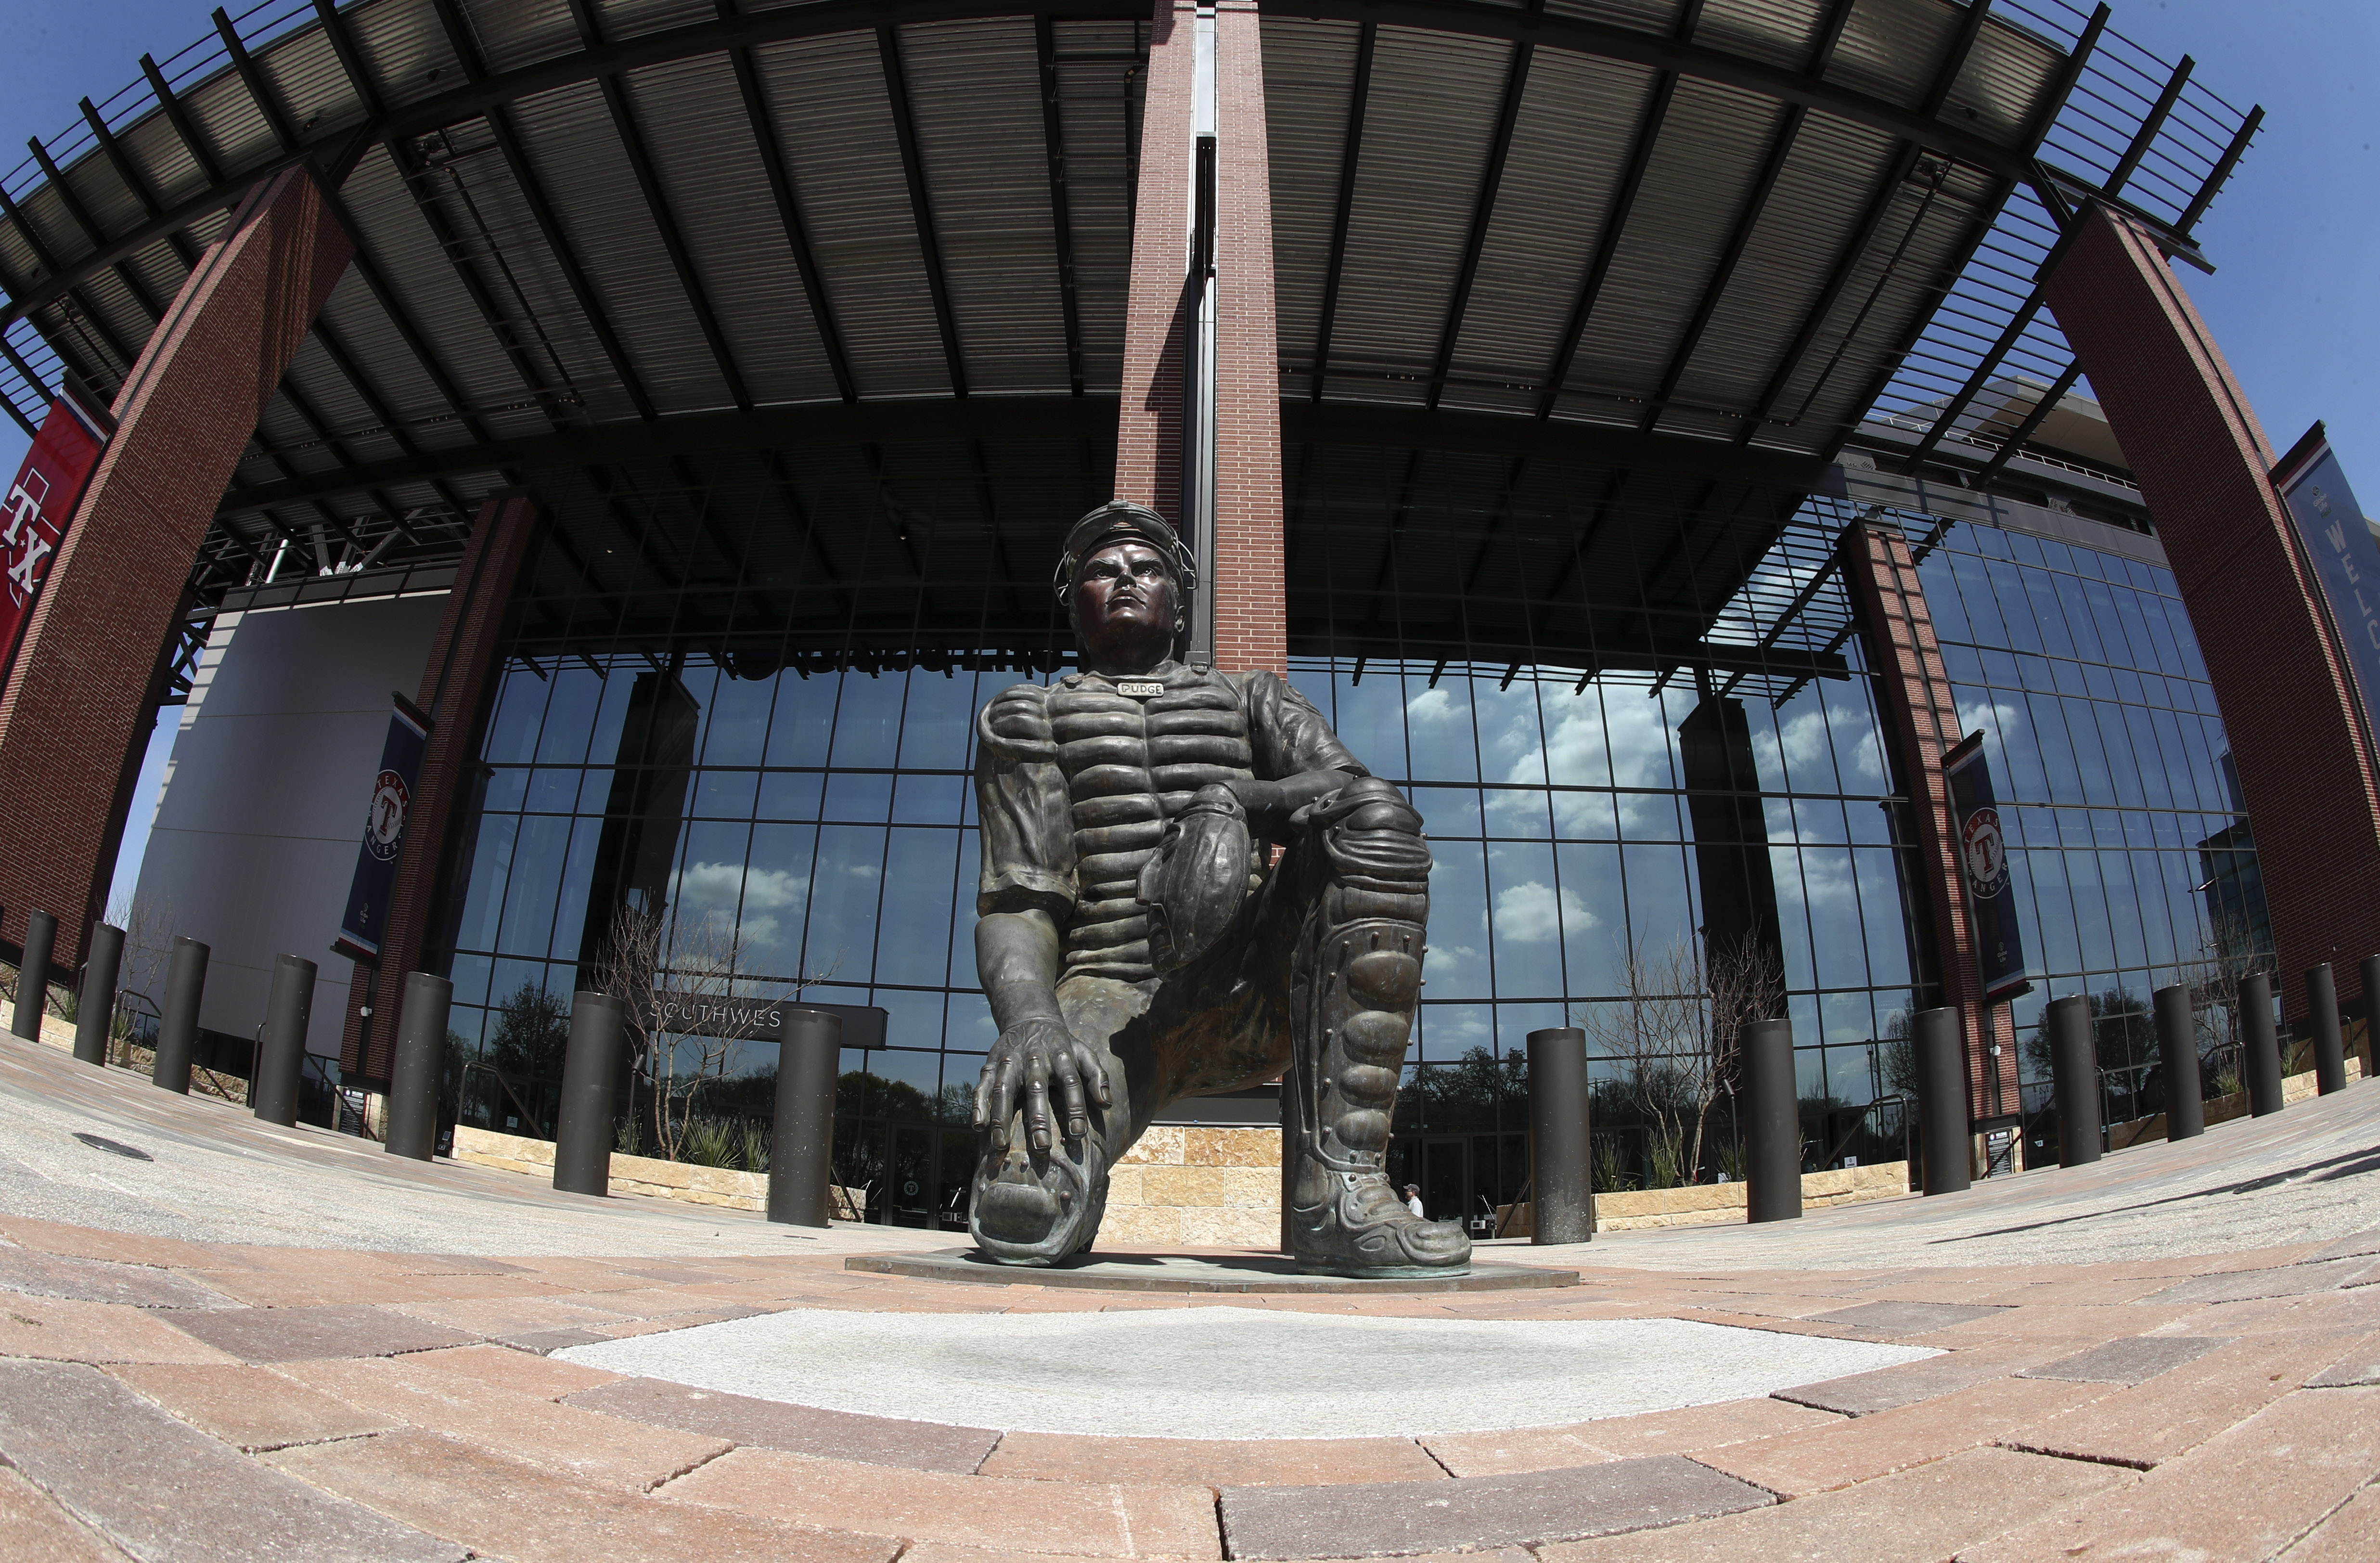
(1983, 857)
(2346, 559)
(384, 841)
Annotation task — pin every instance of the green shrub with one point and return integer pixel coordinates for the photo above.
(756, 1148)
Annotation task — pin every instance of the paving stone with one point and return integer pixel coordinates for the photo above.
(76, 1433)
(523, 1372)
(2242, 1286)
(1896, 1319)
(2130, 1361)
(297, 1334)
(544, 1343)
(100, 1280)
(2244, 1493)
(802, 1430)
(1378, 1519)
(2165, 1416)
(2361, 1365)
(2352, 1535)
(633, 1456)
(979, 1510)
(87, 1242)
(1926, 1513)
(1620, 1438)
(1797, 1464)
(32, 1525)
(249, 1408)
(61, 1330)
(1213, 1463)
(1882, 1389)
(511, 1509)
(2353, 1246)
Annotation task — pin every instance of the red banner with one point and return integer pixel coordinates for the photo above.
(33, 518)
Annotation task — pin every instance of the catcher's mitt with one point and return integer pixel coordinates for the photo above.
(1195, 884)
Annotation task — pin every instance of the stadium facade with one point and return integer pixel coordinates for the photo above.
(1649, 429)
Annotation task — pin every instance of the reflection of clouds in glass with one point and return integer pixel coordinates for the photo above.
(1805, 743)
(1443, 961)
(1434, 706)
(706, 887)
(1529, 914)
(1620, 740)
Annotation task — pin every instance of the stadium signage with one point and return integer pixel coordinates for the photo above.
(385, 818)
(33, 518)
(2345, 557)
(675, 1013)
(1983, 864)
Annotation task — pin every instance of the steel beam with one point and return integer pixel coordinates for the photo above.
(912, 168)
(1054, 138)
(1491, 178)
(1350, 156)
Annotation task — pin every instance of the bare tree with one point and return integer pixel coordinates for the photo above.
(148, 924)
(1678, 1034)
(700, 965)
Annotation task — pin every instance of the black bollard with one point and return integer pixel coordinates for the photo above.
(2322, 1015)
(590, 1086)
(95, 1004)
(2074, 1078)
(1943, 1119)
(33, 973)
(1772, 1162)
(2371, 1016)
(2260, 1046)
(801, 1149)
(177, 1020)
(281, 1051)
(420, 1059)
(1561, 1164)
(2176, 1030)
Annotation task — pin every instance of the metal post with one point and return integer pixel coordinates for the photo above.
(801, 1150)
(33, 973)
(2260, 1046)
(1942, 1102)
(1561, 1160)
(177, 1019)
(281, 1051)
(420, 1058)
(2176, 1030)
(95, 1005)
(1773, 1141)
(590, 1086)
(2074, 1078)
(1292, 1121)
(2322, 1015)
(2371, 1016)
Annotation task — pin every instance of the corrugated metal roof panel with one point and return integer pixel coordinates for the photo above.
(2000, 93)
(309, 85)
(692, 118)
(1098, 118)
(1426, 141)
(1309, 78)
(1893, 49)
(974, 93)
(1777, 32)
(583, 169)
(827, 98)
(1570, 147)
(509, 37)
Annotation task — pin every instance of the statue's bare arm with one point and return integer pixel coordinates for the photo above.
(1016, 959)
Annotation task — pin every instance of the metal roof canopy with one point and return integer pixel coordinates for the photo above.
(878, 249)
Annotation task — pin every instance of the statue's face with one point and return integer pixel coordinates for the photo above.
(1124, 601)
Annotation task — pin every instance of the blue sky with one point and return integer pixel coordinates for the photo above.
(2293, 302)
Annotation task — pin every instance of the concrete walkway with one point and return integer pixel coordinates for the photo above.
(398, 1385)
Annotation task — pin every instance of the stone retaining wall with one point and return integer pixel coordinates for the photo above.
(642, 1175)
(1710, 1204)
(1196, 1187)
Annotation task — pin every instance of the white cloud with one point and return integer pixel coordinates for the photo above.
(708, 887)
(1529, 914)
(1434, 705)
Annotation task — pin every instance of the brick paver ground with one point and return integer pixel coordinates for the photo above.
(168, 1398)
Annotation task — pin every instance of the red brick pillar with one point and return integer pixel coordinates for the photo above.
(1922, 725)
(2287, 701)
(1250, 614)
(454, 688)
(74, 704)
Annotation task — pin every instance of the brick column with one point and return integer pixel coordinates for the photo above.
(2287, 700)
(1250, 609)
(76, 700)
(1922, 725)
(454, 688)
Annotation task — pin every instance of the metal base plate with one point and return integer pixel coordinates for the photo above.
(1191, 1273)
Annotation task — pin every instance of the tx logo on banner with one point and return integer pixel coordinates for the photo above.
(33, 518)
(383, 838)
(1982, 853)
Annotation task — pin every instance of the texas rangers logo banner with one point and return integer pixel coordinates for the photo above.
(1984, 863)
(33, 520)
(383, 842)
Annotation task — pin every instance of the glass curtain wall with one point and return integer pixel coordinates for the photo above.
(2131, 858)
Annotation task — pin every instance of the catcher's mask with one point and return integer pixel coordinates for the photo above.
(1121, 521)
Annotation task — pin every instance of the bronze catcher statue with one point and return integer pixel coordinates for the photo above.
(1137, 948)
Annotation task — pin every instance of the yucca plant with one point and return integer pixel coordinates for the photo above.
(708, 1142)
(756, 1148)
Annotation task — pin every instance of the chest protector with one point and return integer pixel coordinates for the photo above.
(1133, 767)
